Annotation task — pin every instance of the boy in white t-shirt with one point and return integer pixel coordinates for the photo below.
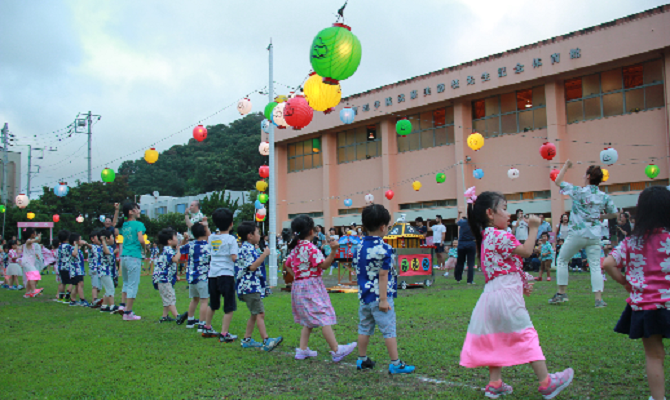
(439, 234)
(224, 250)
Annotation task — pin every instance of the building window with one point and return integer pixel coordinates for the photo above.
(632, 186)
(615, 92)
(539, 195)
(312, 214)
(161, 210)
(304, 155)
(361, 143)
(429, 204)
(508, 113)
(181, 208)
(347, 211)
(429, 129)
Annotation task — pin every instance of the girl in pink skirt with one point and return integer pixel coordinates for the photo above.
(29, 263)
(309, 298)
(501, 333)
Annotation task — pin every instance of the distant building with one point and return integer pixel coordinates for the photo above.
(13, 175)
(154, 206)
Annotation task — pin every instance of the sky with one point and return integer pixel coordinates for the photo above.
(154, 68)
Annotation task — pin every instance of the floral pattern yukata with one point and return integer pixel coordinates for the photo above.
(199, 256)
(247, 281)
(372, 256)
(165, 270)
(587, 204)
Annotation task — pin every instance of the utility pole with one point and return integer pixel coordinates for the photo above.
(88, 121)
(30, 149)
(273, 177)
(89, 146)
(5, 161)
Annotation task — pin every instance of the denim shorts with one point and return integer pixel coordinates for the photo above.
(131, 267)
(370, 315)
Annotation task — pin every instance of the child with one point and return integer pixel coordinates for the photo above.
(646, 254)
(3, 265)
(559, 244)
(154, 256)
(94, 261)
(250, 286)
(221, 282)
(131, 259)
(29, 262)
(546, 255)
(77, 270)
(165, 274)
(63, 255)
(196, 276)
(377, 287)
(452, 256)
(501, 333)
(107, 271)
(578, 261)
(13, 267)
(309, 298)
(49, 258)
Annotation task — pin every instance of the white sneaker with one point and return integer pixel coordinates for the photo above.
(343, 351)
(303, 354)
(446, 273)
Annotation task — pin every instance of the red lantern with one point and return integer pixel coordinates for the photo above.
(389, 194)
(554, 174)
(200, 133)
(56, 218)
(298, 113)
(264, 171)
(548, 151)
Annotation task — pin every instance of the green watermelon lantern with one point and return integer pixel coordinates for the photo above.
(440, 177)
(263, 198)
(652, 171)
(335, 53)
(268, 110)
(403, 127)
(108, 175)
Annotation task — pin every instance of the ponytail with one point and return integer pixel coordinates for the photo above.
(301, 226)
(477, 218)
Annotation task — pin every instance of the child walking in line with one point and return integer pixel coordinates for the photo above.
(196, 275)
(63, 255)
(94, 261)
(646, 255)
(452, 256)
(30, 264)
(546, 255)
(500, 333)
(107, 271)
(13, 267)
(309, 298)
(377, 287)
(77, 270)
(250, 288)
(165, 275)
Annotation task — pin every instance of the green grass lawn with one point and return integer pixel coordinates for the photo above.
(53, 351)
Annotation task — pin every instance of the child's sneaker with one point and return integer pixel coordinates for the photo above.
(401, 368)
(131, 317)
(251, 343)
(557, 382)
(192, 323)
(167, 318)
(201, 327)
(209, 333)
(539, 279)
(181, 318)
(549, 279)
(20, 287)
(74, 303)
(105, 309)
(343, 351)
(84, 303)
(558, 298)
(38, 292)
(116, 310)
(493, 392)
(303, 354)
(228, 338)
(367, 364)
(97, 303)
(600, 304)
(270, 344)
(120, 309)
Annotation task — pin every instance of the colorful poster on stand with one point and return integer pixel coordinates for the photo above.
(415, 264)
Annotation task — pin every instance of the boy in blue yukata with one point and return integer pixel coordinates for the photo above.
(107, 270)
(63, 255)
(250, 288)
(165, 275)
(94, 260)
(199, 257)
(77, 270)
(377, 287)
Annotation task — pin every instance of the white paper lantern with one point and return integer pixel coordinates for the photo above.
(609, 156)
(369, 198)
(244, 106)
(278, 115)
(264, 148)
(22, 201)
(262, 211)
(513, 173)
(102, 219)
(80, 219)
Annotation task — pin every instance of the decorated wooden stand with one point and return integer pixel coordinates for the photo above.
(414, 263)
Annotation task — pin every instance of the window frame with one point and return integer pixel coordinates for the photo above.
(419, 205)
(315, 214)
(499, 115)
(301, 156)
(355, 145)
(419, 132)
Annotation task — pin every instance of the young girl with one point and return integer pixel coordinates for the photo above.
(29, 262)
(49, 258)
(3, 266)
(451, 257)
(646, 254)
(501, 333)
(13, 267)
(562, 229)
(309, 298)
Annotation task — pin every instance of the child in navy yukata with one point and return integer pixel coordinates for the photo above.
(107, 271)
(94, 260)
(250, 286)
(199, 257)
(165, 275)
(63, 255)
(77, 270)
(377, 287)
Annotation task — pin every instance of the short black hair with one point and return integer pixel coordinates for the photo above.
(438, 216)
(63, 235)
(29, 232)
(518, 210)
(418, 219)
(374, 216)
(595, 174)
(129, 206)
(244, 229)
(104, 233)
(544, 234)
(165, 235)
(94, 233)
(223, 218)
(198, 230)
(74, 237)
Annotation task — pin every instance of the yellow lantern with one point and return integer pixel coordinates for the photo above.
(475, 141)
(151, 155)
(321, 96)
(416, 185)
(280, 99)
(31, 215)
(261, 186)
(119, 239)
(606, 175)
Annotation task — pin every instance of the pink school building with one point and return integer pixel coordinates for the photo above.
(582, 91)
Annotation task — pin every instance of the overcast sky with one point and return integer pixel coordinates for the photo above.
(152, 68)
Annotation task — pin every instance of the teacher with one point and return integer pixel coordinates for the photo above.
(467, 249)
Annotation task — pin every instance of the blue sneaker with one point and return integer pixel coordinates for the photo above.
(74, 303)
(270, 344)
(402, 368)
(367, 364)
(5, 286)
(13, 288)
(20, 287)
(84, 303)
(251, 343)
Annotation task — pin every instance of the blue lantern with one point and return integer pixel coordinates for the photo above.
(258, 204)
(61, 189)
(265, 126)
(478, 173)
(102, 219)
(347, 115)
(348, 202)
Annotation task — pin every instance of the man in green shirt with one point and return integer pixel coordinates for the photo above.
(131, 258)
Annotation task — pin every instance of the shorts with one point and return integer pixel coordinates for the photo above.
(199, 290)
(107, 284)
(167, 294)
(439, 248)
(254, 303)
(370, 315)
(131, 267)
(95, 282)
(74, 280)
(223, 286)
(64, 276)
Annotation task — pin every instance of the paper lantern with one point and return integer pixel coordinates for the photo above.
(264, 148)
(102, 218)
(403, 127)
(80, 219)
(258, 205)
(513, 173)
(652, 171)
(347, 115)
(278, 115)
(61, 189)
(369, 198)
(265, 126)
(321, 96)
(268, 110)
(263, 198)
(609, 156)
(281, 98)
(119, 239)
(260, 218)
(199, 133)
(22, 201)
(440, 177)
(262, 212)
(30, 215)
(475, 141)
(478, 173)
(548, 151)
(108, 175)
(264, 171)
(151, 155)
(298, 113)
(2, 209)
(261, 186)
(554, 174)
(348, 202)
(389, 194)
(56, 218)
(335, 53)
(244, 106)
(416, 185)
(606, 175)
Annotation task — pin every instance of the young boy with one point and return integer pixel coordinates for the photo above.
(546, 255)
(63, 255)
(94, 260)
(107, 270)
(377, 287)
(196, 275)
(154, 256)
(165, 275)
(250, 287)
(222, 273)
(77, 270)
(131, 259)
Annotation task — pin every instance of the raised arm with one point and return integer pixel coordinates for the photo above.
(189, 224)
(526, 249)
(116, 215)
(559, 178)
